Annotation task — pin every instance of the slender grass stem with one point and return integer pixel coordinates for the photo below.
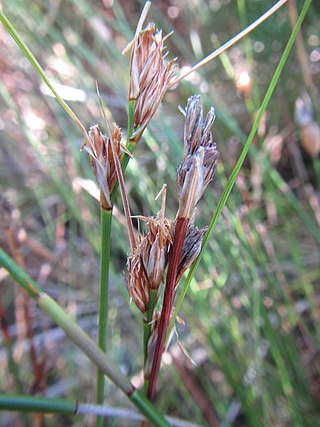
(83, 341)
(147, 326)
(106, 221)
(37, 404)
(147, 322)
(69, 407)
(236, 170)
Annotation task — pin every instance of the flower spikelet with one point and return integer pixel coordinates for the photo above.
(147, 264)
(150, 75)
(200, 156)
(102, 160)
(191, 248)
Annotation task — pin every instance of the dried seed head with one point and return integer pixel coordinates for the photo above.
(201, 154)
(155, 250)
(191, 248)
(138, 283)
(102, 161)
(147, 264)
(190, 182)
(197, 132)
(150, 75)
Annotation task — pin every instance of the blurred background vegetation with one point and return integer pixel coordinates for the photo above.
(250, 321)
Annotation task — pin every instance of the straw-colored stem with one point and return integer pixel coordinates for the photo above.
(130, 145)
(106, 220)
(236, 170)
(168, 300)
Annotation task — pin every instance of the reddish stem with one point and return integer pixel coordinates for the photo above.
(168, 300)
(4, 325)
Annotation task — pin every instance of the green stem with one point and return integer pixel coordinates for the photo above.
(131, 107)
(106, 220)
(99, 358)
(37, 404)
(234, 174)
(19, 275)
(68, 407)
(83, 341)
(147, 325)
(147, 322)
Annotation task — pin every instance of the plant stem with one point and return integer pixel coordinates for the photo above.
(87, 345)
(37, 404)
(22, 278)
(147, 326)
(130, 145)
(106, 220)
(83, 341)
(70, 407)
(147, 322)
(236, 170)
(168, 300)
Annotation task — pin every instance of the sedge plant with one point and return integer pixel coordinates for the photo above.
(173, 244)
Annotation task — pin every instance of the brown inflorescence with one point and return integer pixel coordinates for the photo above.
(193, 175)
(146, 265)
(102, 160)
(200, 157)
(191, 248)
(150, 76)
